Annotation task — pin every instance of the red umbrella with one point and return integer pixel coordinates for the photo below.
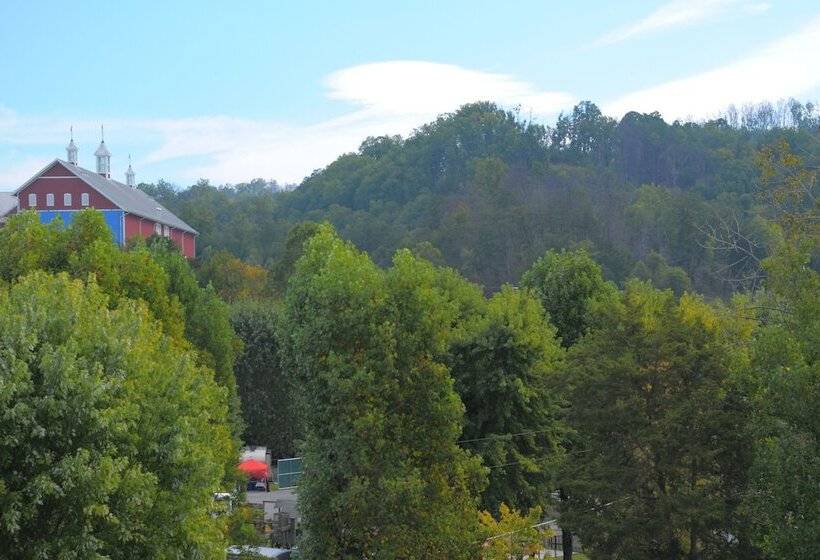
(254, 469)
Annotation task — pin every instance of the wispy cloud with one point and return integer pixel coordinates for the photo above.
(391, 97)
(680, 13)
(424, 88)
(785, 68)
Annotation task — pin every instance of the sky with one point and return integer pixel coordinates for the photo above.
(232, 91)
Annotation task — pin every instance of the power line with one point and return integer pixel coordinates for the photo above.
(505, 465)
(543, 523)
(536, 526)
(504, 436)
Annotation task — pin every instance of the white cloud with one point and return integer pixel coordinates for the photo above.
(390, 98)
(786, 68)
(425, 88)
(17, 172)
(679, 13)
(387, 98)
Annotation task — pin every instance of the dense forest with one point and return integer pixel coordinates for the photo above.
(612, 325)
(487, 192)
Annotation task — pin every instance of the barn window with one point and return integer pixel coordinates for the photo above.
(167, 231)
(50, 199)
(158, 229)
(32, 200)
(67, 199)
(84, 199)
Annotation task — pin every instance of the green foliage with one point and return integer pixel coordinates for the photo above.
(160, 276)
(492, 192)
(784, 499)
(688, 429)
(294, 247)
(584, 136)
(567, 283)
(504, 370)
(656, 270)
(383, 474)
(113, 438)
(86, 227)
(266, 391)
(207, 317)
(233, 279)
(27, 245)
(668, 223)
(512, 536)
(785, 495)
(242, 529)
(662, 441)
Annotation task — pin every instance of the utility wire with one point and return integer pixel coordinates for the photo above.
(539, 525)
(504, 436)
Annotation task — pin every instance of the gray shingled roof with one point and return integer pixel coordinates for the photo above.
(132, 200)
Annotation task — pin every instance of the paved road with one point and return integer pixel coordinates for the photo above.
(284, 499)
(259, 497)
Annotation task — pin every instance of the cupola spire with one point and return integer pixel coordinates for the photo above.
(103, 157)
(71, 149)
(129, 174)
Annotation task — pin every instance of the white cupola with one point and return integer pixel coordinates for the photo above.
(71, 149)
(103, 157)
(129, 174)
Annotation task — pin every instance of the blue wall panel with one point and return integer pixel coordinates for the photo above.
(114, 219)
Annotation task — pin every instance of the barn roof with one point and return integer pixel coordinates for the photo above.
(130, 199)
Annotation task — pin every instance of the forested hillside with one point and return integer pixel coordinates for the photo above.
(488, 192)
(585, 382)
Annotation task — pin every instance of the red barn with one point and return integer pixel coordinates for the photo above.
(62, 188)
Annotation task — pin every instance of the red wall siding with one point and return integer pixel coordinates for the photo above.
(143, 227)
(134, 226)
(61, 182)
(187, 242)
(57, 170)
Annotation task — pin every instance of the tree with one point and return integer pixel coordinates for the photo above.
(504, 371)
(585, 135)
(233, 279)
(207, 317)
(567, 282)
(266, 391)
(27, 245)
(656, 270)
(577, 183)
(513, 536)
(294, 247)
(784, 500)
(383, 475)
(784, 496)
(157, 274)
(113, 439)
(662, 429)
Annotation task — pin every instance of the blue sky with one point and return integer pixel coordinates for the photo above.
(236, 90)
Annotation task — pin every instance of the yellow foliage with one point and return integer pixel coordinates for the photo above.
(512, 535)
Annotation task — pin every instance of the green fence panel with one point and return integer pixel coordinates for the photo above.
(288, 472)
